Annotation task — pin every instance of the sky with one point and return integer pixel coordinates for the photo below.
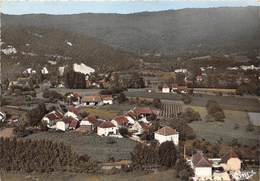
(112, 6)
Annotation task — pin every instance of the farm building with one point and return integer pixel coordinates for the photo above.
(202, 166)
(138, 128)
(120, 121)
(143, 112)
(167, 134)
(230, 162)
(106, 128)
(92, 100)
(254, 118)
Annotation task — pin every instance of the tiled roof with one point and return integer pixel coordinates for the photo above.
(54, 115)
(227, 156)
(199, 160)
(121, 120)
(106, 124)
(95, 98)
(143, 110)
(166, 131)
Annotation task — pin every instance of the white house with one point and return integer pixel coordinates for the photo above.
(106, 128)
(167, 134)
(202, 166)
(138, 128)
(107, 99)
(166, 89)
(60, 125)
(2, 117)
(71, 114)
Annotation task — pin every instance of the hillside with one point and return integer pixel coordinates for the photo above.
(34, 47)
(202, 31)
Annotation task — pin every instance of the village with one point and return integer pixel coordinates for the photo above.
(152, 113)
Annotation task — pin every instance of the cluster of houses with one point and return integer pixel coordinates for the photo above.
(135, 121)
(226, 168)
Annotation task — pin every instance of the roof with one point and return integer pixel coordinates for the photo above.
(131, 114)
(95, 98)
(107, 97)
(106, 124)
(72, 122)
(74, 110)
(145, 126)
(121, 120)
(227, 156)
(166, 131)
(54, 115)
(143, 110)
(199, 160)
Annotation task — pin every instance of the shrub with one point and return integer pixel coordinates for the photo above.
(157, 103)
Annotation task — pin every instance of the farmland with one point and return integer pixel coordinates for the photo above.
(101, 112)
(98, 148)
(213, 131)
(170, 110)
(226, 102)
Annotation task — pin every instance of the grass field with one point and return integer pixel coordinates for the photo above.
(98, 148)
(213, 131)
(101, 112)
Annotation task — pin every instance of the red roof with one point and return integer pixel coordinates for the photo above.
(131, 114)
(227, 156)
(73, 123)
(54, 115)
(121, 120)
(106, 124)
(166, 131)
(143, 110)
(107, 97)
(74, 110)
(199, 160)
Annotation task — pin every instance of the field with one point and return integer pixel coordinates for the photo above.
(83, 92)
(212, 131)
(226, 102)
(102, 112)
(170, 110)
(98, 148)
(6, 133)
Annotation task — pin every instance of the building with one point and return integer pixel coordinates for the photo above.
(95, 100)
(60, 125)
(107, 99)
(231, 162)
(143, 112)
(106, 128)
(167, 134)
(2, 117)
(120, 121)
(166, 89)
(51, 118)
(92, 122)
(139, 128)
(202, 166)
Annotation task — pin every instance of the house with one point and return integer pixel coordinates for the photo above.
(139, 128)
(107, 99)
(202, 166)
(231, 162)
(167, 134)
(2, 117)
(106, 128)
(92, 122)
(74, 98)
(120, 121)
(71, 123)
(143, 112)
(61, 125)
(166, 89)
(92, 100)
(51, 118)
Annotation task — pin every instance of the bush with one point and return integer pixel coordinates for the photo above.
(51, 94)
(186, 99)
(157, 103)
(167, 154)
(215, 111)
(121, 98)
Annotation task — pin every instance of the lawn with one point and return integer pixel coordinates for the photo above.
(213, 131)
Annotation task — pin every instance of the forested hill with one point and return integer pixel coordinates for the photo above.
(167, 32)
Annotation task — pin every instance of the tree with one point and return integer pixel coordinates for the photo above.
(136, 81)
(167, 154)
(123, 132)
(121, 98)
(157, 103)
(215, 111)
(190, 115)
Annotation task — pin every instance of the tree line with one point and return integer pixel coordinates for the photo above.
(41, 156)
